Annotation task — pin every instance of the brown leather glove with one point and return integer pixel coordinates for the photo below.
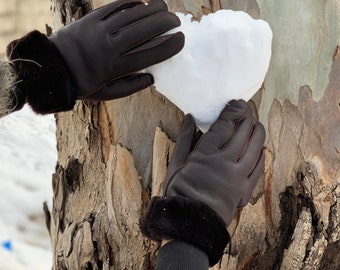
(207, 180)
(95, 58)
(224, 166)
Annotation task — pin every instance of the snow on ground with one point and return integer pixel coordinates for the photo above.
(27, 159)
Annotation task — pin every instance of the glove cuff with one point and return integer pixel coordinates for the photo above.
(43, 79)
(188, 221)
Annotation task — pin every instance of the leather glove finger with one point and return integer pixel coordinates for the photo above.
(123, 19)
(184, 145)
(110, 9)
(136, 34)
(121, 87)
(253, 159)
(153, 52)
(252, 179)
(236, 146)
(253, 149)
(258, 170)
(223, 128)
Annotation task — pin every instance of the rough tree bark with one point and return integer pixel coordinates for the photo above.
(113, 155)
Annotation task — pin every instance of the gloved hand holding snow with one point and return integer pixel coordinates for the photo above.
(226, 56)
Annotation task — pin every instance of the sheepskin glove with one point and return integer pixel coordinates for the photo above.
(207, 181)
(96, 58)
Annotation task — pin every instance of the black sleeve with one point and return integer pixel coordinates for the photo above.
(177, 255)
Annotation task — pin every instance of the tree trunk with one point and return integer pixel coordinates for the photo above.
(113, 155)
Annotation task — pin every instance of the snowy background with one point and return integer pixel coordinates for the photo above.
(27, 159)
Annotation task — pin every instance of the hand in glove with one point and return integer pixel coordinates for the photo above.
(95, 58)
(206, 182)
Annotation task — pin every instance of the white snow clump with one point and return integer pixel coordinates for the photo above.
(226, 56)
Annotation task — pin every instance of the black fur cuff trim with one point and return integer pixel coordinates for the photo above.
(43, 79)
(188, 221)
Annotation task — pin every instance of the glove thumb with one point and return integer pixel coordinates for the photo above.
(121, 87)
(186, 140)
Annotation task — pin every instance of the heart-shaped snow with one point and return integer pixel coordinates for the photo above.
(226, 56)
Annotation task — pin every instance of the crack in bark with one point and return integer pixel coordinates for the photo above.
(292, 203)
(73, 174)
(47, 217)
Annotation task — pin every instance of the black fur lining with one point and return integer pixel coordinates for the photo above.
(43, 79)
(188, 221)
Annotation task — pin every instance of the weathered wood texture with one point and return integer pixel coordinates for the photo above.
(112, 156)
